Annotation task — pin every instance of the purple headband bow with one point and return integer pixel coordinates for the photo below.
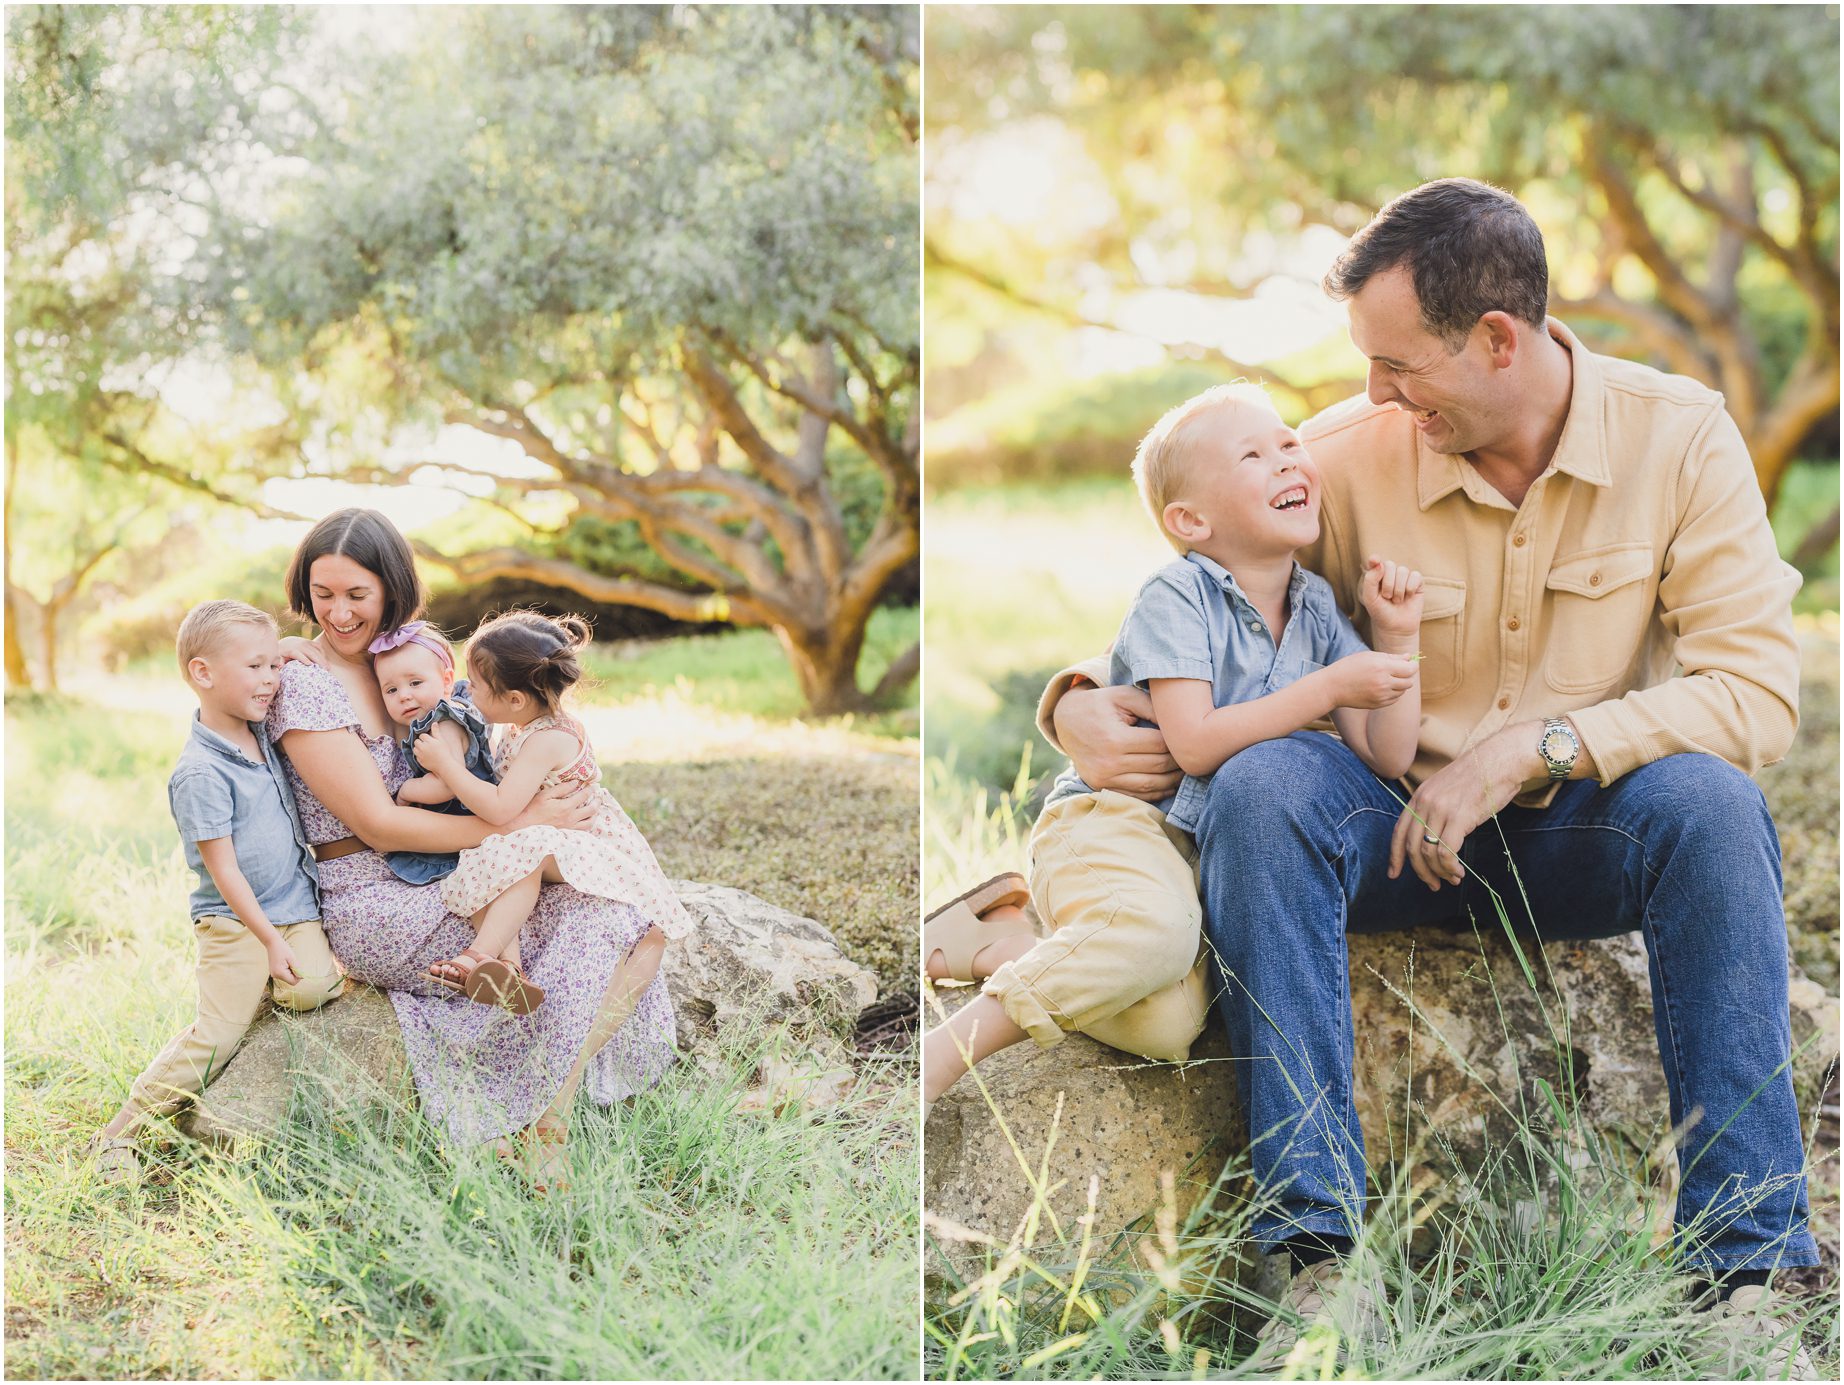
(413, 633)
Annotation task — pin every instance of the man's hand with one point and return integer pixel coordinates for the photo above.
(1452, 803)
(1392, 593)
(282, 965)
(1097, 731)
(1371, 679)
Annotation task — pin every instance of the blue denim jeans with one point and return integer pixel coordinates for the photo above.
(1294, 847)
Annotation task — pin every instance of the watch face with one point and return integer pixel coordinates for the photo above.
(1557, 745)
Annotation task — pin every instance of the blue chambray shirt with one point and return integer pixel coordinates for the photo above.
(1191, 620)
(218, 791)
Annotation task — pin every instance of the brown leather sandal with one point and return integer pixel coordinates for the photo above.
(492, 981)
(958, 929)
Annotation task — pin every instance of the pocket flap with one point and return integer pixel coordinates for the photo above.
(1442, 597)
(1601, 570)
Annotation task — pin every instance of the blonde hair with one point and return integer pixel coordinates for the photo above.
(207, 624)
(1165, 453)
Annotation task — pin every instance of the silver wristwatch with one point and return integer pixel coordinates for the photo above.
(1559, 746)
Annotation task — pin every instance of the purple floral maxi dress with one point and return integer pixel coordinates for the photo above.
(480, 1072)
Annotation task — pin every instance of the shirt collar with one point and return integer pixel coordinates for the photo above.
(211, 740)
(1221, 576)
(1581, 451)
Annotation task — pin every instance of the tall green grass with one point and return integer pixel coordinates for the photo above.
(697, 1242)
(1539, 1264)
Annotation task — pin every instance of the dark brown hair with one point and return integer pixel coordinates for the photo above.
(1470, 248)
(374, 543)
(523, 651)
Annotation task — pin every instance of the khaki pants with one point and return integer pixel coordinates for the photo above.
(1125, 960)
(233, 973)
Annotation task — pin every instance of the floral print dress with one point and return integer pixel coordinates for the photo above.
(480, 1072)
(608, 858)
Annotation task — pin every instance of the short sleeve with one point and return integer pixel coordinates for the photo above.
(1166, 633)
(202, 804)
(310, 699)
(1341, 635)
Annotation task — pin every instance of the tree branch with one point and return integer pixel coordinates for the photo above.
(487, 564)
(1316, 396)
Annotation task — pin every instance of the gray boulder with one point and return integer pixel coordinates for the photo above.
(749, 966)
(1451, 1044)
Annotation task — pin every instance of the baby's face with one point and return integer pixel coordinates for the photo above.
(413, 679)
(1250, 485)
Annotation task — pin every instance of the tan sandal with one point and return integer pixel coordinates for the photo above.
(490, 981)
(116, 1160)
(958, 929)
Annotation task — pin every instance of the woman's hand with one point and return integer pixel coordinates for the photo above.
(302, 651)
(1097, 729)
(569, 804)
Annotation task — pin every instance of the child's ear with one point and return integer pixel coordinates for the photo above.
(1184, 523)
(199, 672)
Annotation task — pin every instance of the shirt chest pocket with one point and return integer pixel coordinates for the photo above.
(1600, 601)
(1443, 608)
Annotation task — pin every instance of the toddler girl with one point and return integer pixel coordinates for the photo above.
(522, 664)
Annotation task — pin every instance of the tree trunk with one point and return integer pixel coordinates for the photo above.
(48, 644)
(1819, 540)
(825, 665)
(18, 672)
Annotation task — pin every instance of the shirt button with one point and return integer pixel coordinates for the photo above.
(1513, 623)
(1504, 704)
(1255, 625)
(1517, 540)
(1594, 579)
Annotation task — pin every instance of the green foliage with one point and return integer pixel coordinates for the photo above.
(554, 195)
(1206, 151)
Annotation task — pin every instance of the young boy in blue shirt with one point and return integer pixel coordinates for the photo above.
(1235, 643)
(256, 907)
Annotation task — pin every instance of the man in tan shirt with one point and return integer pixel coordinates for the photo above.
(1586, 527)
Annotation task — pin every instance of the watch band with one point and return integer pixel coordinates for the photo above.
(1558, 761)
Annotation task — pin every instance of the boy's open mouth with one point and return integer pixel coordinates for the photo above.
(1289, 499)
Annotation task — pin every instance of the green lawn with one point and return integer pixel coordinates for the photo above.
(699, 1243)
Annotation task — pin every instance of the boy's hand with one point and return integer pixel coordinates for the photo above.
(282, 965)
(433, 754)
(1372, 679)
(1392, 594)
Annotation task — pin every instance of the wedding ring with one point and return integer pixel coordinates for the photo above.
(1431, 841)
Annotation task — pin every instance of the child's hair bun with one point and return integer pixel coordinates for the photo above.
(575, 629)
(525, 651)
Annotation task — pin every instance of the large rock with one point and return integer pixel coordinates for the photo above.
(748, 968)
(1451, 1040)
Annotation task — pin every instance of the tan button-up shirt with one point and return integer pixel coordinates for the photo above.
(1643, 549)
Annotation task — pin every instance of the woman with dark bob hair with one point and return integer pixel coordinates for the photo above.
(482, 1074)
